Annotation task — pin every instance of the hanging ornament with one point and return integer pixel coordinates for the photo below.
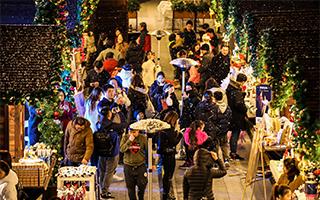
(56, 113)
(39, 112)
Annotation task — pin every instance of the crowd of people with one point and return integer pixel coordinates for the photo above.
(125, 85)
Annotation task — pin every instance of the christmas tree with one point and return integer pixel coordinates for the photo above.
(216, 7)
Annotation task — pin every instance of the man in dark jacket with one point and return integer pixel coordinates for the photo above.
(209, 113)
(108, 165)
(97, 76)
(220, 65)
(205, 70)
(108, 98)
(144, 39)
(189, 35)
(197, 181)
(239, 111)
(223, 125)
(78, 142)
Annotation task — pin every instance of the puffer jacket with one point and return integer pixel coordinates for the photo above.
(224, 122)
(220, 67)
(237, 105)
(78, 145)
(210, 114)
(197, 180)
(206, 69)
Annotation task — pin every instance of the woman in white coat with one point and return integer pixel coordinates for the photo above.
(149, 69)
(8, 178)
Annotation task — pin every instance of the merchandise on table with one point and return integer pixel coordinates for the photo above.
(81, 171)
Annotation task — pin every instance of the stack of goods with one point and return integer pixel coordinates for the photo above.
(278, 132)
(73, 191)
(81, 171)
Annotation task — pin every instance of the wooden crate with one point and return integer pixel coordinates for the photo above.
(31, 175)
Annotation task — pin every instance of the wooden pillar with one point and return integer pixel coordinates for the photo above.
(12, 130)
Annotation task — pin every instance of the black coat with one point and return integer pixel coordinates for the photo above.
(189, 104)
(201, 174)
(224, 122)
(209, 113)
(155, 92)
(236, 102)
(168, 139)
(220, 67)
(135, 56)
(93, 77)
(189, 38)
(206, 69)
(138, 97)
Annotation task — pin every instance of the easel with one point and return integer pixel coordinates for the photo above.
(256, 149)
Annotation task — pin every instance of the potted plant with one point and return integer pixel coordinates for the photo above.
(133, 6)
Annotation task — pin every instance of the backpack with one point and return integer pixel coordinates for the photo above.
(102, 142)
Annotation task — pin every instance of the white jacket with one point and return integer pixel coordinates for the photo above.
(224, 96)
(149, 72)
(8, 186)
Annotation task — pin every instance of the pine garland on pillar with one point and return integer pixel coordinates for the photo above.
(225, 6)
(265, 56)
(216, 7)
(233, 19)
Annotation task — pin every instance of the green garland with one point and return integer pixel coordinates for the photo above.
(189, 6)
(265, 55)
(233, 20)
(216, 7)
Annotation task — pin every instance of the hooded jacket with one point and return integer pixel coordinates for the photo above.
(224, 122)
(197, 180)
(78, 145)
(124, 78)
(210, 114)
(8, 186)
(109, 65)
(237, 105)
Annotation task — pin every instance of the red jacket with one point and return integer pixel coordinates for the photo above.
(109, 65)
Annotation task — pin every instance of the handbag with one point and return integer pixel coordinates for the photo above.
(149, 109)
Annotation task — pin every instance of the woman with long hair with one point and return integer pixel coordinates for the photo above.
(193, 138)
(281, 192)
(90, 106)
(138, 95)
(291, 174)
(168, 139)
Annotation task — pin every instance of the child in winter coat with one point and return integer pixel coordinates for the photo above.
(193, 138)
(223, 125)
(8, 178)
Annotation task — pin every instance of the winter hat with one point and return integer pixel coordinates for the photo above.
(205, 26)
(168, 85)
(205, 47)
(206, 37)
(127, 67)
(136, 113)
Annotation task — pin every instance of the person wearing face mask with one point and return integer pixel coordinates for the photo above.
(220, 65)
(156, 89)
(168, 101)
(168, 139)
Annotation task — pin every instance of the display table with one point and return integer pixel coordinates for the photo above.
(91, 179)
(276, 169)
